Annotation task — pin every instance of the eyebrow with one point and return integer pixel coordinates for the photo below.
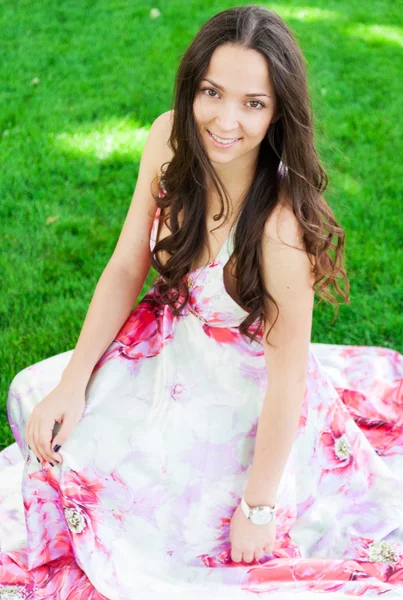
(251, 95)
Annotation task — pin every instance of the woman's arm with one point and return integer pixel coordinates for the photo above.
(288, 276)
(111, 304)
(123, 277)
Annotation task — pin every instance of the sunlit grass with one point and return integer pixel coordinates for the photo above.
(308, 14)
(104, 140)
(377, 33)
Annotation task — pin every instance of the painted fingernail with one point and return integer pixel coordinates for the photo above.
(56, 448)
(38, 459)
(51, 464)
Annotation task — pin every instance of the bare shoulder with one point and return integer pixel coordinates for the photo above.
(165, 121)
(282, 226)
(162, 127)
(283, 245)
(132, 251)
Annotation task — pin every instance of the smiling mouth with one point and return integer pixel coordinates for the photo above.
(222, 142)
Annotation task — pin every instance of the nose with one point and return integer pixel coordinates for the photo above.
(227, 118)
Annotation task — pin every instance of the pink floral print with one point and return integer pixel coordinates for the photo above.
(141, 506)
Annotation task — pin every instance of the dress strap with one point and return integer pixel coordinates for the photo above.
(154, 228)
(228, 247)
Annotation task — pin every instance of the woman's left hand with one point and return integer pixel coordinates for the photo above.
(250, 541)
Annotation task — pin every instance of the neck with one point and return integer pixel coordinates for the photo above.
(236, 176)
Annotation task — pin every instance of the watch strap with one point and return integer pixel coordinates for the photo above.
(247, 509)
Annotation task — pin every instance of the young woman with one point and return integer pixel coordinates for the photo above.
(200, 446)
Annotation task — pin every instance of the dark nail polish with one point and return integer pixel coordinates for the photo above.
(56, 448)
(51, 464)
(38, 459)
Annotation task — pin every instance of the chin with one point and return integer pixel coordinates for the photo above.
(221, 160)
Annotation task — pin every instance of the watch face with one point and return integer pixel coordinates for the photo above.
(260, 517)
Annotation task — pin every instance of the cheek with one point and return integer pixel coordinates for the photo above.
(259, 128)
(200, 110)
(255, 132)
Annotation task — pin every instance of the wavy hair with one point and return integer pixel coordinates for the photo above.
(287, 160)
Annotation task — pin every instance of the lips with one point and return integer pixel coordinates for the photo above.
(223, 138)
(222, 145)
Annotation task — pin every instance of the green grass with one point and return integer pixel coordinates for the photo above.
(70, 147)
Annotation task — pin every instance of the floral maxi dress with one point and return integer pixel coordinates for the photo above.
(141, 506)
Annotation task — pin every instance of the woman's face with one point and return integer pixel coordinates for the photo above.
(234, 101)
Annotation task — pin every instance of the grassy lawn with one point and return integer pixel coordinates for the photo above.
(81, 83)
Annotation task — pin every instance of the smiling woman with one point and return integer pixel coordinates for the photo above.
(200, 446)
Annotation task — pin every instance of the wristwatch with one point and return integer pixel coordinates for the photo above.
(259, 515)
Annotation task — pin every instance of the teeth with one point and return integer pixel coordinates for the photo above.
(223, 141)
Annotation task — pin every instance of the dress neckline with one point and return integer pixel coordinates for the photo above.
(225, 250)
(223, 254)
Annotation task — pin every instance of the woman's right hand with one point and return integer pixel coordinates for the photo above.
(64, 405)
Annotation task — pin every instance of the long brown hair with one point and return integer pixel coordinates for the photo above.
(287, 158)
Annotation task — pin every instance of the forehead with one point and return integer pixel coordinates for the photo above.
(239, 69)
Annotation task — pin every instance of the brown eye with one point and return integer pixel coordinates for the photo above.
(209, 90)
(261, 105)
